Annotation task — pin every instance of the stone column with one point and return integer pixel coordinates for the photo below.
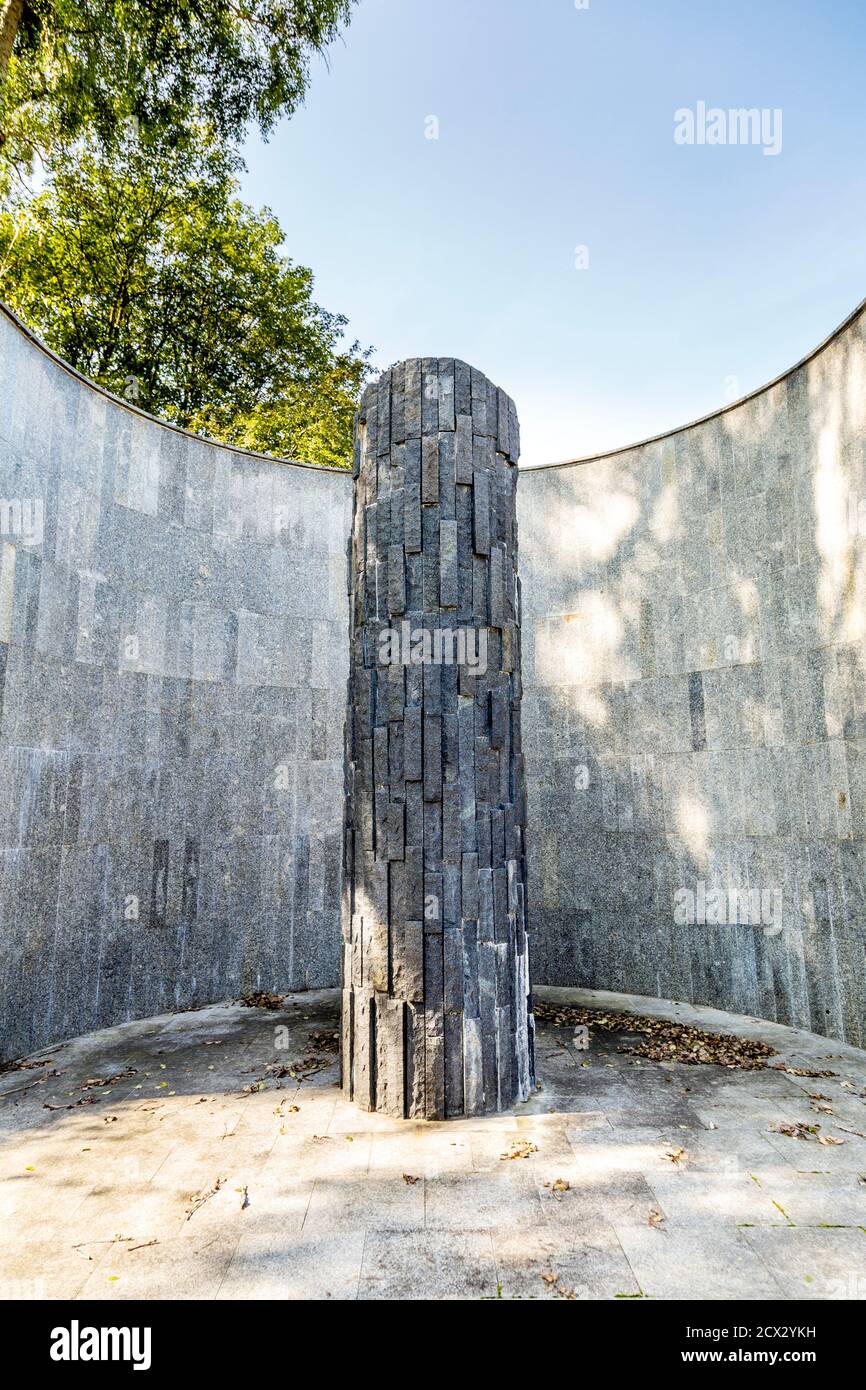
(437, 1014)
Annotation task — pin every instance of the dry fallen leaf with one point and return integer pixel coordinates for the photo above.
(559, 1289)
(520, 1148)
(96, 1082)
(800, 1130)
(665, 1041)
(804, 1071)
(261, 999)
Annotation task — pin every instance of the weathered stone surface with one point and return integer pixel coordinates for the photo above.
(172, 674)
(452, 1030)
(695, 705)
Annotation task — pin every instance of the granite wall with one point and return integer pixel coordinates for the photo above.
(695, 706)
(173, 660)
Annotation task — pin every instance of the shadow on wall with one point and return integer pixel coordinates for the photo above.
(694, 632)
(173, 654)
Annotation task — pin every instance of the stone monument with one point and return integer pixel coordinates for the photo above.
(436, 1006)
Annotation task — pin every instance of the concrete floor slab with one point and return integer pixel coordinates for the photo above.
(696, 1260)
(457, 1264)
(551, 1264)
(812, 1262)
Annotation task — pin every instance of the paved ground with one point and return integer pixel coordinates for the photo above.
(200, 1172)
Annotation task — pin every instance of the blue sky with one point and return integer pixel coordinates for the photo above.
(711, 268)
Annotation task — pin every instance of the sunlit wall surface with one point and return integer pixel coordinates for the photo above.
(173, 657)
(695, 710)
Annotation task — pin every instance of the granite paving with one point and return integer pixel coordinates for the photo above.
(210, 1154)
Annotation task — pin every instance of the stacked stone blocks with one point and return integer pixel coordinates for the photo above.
(436, 1014)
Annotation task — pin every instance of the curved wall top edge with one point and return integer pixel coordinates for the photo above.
(155, 419)
(528, 468)
(713, 414)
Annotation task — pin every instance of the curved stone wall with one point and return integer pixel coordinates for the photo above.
(695, 706)
(173, 660)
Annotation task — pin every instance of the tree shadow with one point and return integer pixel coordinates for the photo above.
(694, 639)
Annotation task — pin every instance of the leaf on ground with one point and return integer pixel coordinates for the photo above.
(804, 1071)
(798, 1130)
(96, 1082)
(666, 1041)
(83, 1100)
(520, 1148)
(24, 1065)
(552, 1281)
(261, 999)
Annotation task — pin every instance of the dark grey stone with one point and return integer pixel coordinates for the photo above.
(456, 1027)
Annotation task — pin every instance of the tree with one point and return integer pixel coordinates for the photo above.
(73, 66)
(142, 268)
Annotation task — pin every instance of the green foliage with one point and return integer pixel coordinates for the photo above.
(73, 66)
(143, 269)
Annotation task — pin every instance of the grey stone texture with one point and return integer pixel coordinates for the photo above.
(695, 704)
(437, 1019)
(173, 660)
